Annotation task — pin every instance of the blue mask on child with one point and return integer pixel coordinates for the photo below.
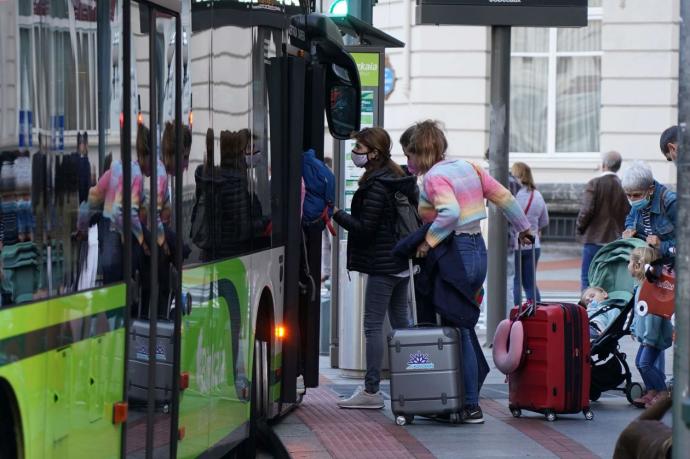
(640, 203)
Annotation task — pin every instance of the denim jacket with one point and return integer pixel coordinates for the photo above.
(663, 219)
(652, 330)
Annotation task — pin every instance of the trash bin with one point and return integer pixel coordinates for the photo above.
(351, 288)
(325, 325)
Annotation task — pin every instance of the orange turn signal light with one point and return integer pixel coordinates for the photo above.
(119, 412)
(280, 332)
(184, 380)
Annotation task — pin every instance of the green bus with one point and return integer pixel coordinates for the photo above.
(150, 176)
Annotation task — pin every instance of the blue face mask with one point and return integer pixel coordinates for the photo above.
(640, 203)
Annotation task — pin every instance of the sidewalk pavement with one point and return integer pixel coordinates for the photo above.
(319, 429)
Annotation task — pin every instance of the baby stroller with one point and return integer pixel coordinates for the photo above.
(609, 270)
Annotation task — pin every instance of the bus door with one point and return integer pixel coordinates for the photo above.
(156, 164)
(326, 79)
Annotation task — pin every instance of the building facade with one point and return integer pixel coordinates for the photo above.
(575, 92)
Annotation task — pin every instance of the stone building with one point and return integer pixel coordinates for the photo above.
(574, 92)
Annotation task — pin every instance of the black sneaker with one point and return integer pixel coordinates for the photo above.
(473, 416)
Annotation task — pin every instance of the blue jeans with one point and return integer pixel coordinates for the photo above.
(473, 254)
(588, 252)
(528, 275)
(470, 369)
(383, 293)
(653, 378)
(660, 364)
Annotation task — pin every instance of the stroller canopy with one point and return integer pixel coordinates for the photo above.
(609, 269)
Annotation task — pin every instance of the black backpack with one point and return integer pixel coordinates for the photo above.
(406, 219)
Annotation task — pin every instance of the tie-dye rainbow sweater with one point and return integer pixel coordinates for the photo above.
(453, 195)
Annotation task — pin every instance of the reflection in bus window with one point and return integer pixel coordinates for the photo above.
(202, 212)
(234, 204)
(47, 166)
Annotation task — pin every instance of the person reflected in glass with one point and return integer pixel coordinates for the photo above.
(231, 190)
(106, 197)
(202, 212)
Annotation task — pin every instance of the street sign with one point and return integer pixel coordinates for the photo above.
(525, 13)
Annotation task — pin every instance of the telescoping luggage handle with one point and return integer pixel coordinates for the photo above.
(413, 301)
(528, 308)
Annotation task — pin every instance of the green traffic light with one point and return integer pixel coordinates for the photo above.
(339, 8)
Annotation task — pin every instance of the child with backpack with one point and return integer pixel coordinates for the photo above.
(654, 334)
(372, 233)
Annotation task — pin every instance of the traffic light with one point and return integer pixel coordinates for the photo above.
(339, 8)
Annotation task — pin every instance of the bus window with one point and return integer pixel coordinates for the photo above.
(51, 241)
(267, 43)
(234, 198)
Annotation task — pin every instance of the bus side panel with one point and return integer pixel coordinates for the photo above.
(195, 400)
(86, 378)
(214, 409)
(231, 369)
(26, 376)
(66, 370)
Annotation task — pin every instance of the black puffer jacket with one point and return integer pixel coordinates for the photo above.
(370, 227)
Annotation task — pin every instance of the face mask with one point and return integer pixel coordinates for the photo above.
(359, 160)
(412, 167)
(255, 160)
(639, 204)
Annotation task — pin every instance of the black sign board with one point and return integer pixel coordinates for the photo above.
(526, 13)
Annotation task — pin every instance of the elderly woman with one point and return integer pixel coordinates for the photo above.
(652, 214)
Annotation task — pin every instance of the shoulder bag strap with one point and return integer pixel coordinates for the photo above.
(529, 203)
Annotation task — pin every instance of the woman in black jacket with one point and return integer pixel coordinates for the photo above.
(371, 239)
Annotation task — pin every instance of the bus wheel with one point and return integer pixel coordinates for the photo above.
(9, 434)
(259, 398)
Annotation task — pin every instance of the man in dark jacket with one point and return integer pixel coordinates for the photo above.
(602, 213)
(668, 143)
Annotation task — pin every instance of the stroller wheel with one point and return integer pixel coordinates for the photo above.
(633, 391)
(594, 394)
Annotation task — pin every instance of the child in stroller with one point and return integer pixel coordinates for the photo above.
(609, 272)
(600, 316)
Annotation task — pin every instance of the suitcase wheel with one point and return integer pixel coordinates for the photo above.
(588, 414)
(402, 420)
(633, 391)
(516, 412)
(455, 418)
(550, 416)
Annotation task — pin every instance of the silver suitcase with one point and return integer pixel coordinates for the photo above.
(139, 361)
(425, 372)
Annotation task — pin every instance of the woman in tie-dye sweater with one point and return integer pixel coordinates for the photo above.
(452, 198)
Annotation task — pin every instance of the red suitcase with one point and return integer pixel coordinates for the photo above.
(555, 374)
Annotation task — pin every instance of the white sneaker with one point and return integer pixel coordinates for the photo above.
(363, 399)
(301, 389)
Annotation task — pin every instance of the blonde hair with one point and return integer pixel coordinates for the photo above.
(428, 144)
(584, 293)
(643, 256)
(523, 173)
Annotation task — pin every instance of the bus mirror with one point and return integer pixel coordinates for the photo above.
(344, 99)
